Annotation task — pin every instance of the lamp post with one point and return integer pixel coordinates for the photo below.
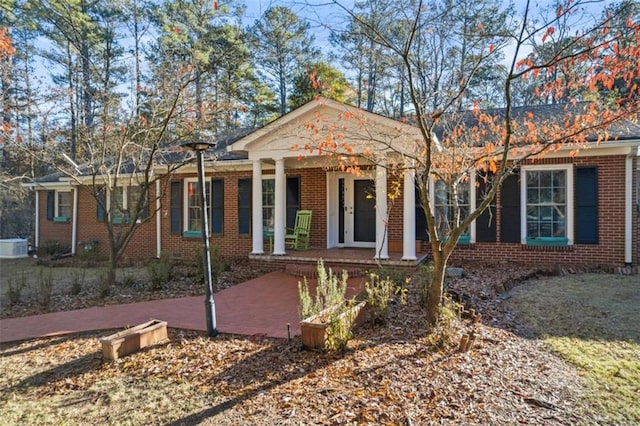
(209, 304)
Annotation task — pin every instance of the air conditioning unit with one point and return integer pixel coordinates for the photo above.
(13, 248)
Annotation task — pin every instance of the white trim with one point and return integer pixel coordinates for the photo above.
(74, 224)
(56, 203)
(472, 202)
(409, 215)
(568, 169)
(256, 214)
(185, 202)
(158, 221)
(382, 243)
(37, 222)
(628, 210)
(279, 210)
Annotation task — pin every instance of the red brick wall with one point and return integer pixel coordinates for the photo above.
(51, 231)
(610, 250)
(611, 226)
(313, 196)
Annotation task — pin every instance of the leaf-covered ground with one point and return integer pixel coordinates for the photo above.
(390, 374)
(133, 284)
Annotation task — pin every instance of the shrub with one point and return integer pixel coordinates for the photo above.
(218, 265)
(445, 335)
(104, 286)
(330, 292)
(329, 301)
(15, 286)
(45, 288)
(423, 278)
(53, 248)
(77, 281)
(380, 293)
(160, 271)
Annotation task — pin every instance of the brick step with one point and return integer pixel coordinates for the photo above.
(310, 271)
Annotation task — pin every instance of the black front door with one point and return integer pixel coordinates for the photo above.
(364, 211)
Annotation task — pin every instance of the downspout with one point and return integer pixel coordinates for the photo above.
(74, 225)
(37, 223)
(628, 210)
(158, 222)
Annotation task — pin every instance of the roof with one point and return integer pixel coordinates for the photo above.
(540, 115)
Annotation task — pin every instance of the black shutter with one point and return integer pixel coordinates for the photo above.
(244, 206)
(510, 211)
(101, 201)
(293, 200)
(486, 222)
(217, 206)
(51, 199)
(176, 207)
(421, 220)
(586, 211)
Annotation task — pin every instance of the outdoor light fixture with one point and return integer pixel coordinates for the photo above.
(209, 305)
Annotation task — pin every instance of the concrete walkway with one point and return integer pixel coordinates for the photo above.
(263, 306)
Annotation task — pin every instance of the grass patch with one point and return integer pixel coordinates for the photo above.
(591, 321)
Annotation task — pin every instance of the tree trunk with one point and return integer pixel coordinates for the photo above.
(113, 266)
(436, 288)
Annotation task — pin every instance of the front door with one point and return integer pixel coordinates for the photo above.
(357, 212)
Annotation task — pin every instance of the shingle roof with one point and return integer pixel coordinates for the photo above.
(540, 115)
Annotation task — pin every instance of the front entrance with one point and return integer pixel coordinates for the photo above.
(355, 210)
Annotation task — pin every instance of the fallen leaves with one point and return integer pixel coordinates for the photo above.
(387, 375)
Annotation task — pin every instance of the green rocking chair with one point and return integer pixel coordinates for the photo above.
(298, 237)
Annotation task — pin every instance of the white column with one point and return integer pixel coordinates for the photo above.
(628, 210)
(409, 216)
(74, 224)
(279, 210)
(158, 220)
(256, 215)
(382, 251)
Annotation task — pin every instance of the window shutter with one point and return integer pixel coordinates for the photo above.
(217, 206)
(101, 201)
(293, 200)
(244, 206)
(421, 220)
(51, 204)
(176, 207)
(586, 211)
(510, 210)
(486, 222)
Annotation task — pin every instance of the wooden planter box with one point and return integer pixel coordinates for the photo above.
(134, 339)
(314, 329)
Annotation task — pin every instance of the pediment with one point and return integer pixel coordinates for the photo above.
(304, 131)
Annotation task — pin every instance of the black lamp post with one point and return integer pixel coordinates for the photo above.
(209, 304)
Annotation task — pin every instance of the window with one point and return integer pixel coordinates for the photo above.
(268, 202)
(193, 213)
(124, 202)
(59, 205)
(452, 204)
(269, 197)
(548, 207)
(63, 204)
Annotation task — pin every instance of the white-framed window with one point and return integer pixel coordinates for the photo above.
(268, 202)
(451, 204)
(192, 211)
(122, 200)
(547, 205)
(63, 204)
